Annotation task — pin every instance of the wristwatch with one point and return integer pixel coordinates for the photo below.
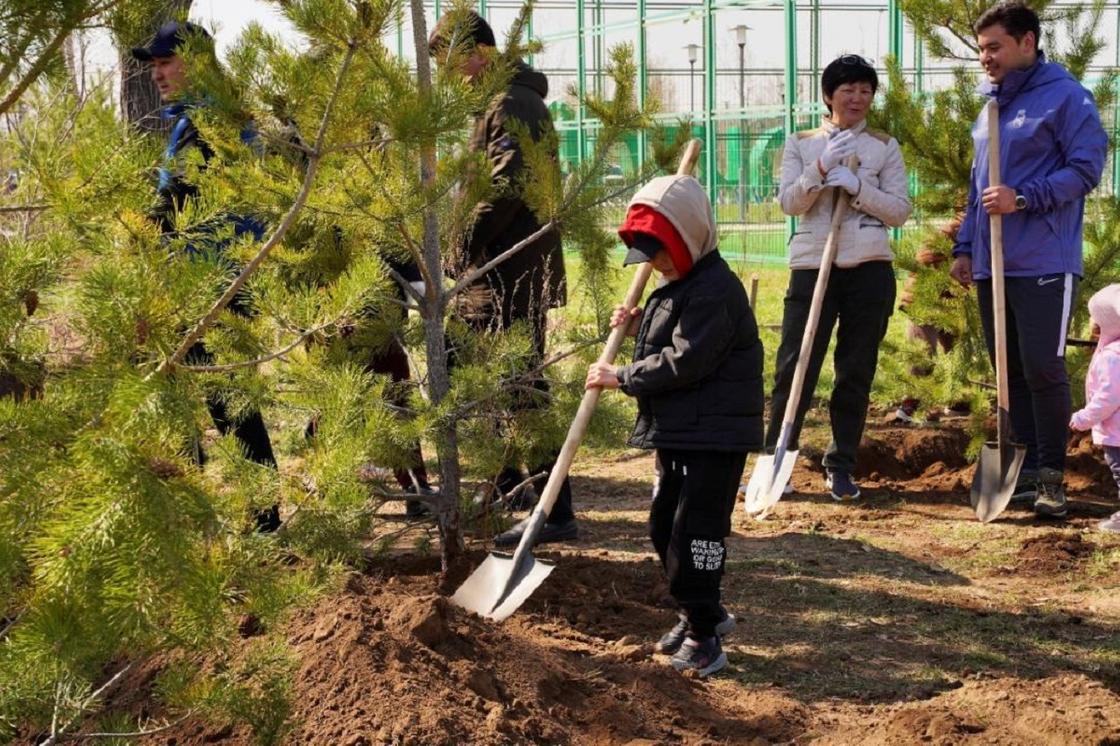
(1020, 202)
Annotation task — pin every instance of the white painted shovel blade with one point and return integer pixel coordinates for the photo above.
(766, 487)
(482, 590)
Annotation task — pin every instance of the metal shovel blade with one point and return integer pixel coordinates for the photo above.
(995, 478)
(768, 482)
(498, 587)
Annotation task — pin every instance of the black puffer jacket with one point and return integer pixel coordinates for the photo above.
(697, 370)
(533, 279)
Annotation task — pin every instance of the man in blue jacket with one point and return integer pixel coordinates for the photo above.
(169, 73)
(1053, 150)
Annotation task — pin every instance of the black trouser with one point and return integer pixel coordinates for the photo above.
(250, 432)
(499, 317)
(861, 299)
(1038, 312)
(393, 361)
(688, 521)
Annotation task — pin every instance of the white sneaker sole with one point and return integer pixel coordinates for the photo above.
(717, 665)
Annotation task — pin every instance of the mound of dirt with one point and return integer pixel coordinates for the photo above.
(390, 661)
(1053, 553)
(911, 453)
(1064, 709)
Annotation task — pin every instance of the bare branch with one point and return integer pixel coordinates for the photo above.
(135, 734)
(25, 208)
(58, 733)
(470, 277)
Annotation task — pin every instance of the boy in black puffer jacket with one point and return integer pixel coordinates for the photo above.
(697, 376)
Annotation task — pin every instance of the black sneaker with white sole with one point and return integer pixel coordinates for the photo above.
(1026, 489)
(705, 657)
(1051, 501)
(840, 485)
(672, 640)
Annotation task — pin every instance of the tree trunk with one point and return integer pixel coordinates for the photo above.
(433, 310)
(140, 102)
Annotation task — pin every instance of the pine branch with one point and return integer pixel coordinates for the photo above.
(289, 219)
(39, 66)
(260, 360)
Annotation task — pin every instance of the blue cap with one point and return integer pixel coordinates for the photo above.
(168, 39)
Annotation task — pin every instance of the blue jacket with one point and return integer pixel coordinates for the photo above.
(174, 190)
(1052, 151)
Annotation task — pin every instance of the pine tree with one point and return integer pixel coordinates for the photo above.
(115, 542)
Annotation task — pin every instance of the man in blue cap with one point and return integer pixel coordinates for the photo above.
(170, 74)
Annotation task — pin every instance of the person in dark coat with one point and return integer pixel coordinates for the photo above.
(528, 284)
(170, 74)
(697, 376)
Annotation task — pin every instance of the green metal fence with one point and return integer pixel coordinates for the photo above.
(745, 73)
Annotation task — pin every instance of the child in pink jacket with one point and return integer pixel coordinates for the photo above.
(1102, 387)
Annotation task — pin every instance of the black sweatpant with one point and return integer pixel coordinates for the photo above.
(1038, 312)
(393, 361)
(499, 319)
(688, 521)
(250, 432)
(860, 301)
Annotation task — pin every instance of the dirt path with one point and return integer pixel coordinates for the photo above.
(895, 620)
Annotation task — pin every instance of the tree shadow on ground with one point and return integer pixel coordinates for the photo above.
(820, 616)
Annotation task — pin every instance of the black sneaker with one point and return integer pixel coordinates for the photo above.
(672, 640)
(841, 486)
(1051, 502)
(1026, 489)
(705, 657)
(419, 509)
(549, 532)
(268, 520)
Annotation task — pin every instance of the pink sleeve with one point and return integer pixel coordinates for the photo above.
(1105, 399)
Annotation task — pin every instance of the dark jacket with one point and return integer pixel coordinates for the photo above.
(536, 273)
(697, 370)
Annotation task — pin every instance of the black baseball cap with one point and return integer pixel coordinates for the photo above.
(643, 249)
(169, 38)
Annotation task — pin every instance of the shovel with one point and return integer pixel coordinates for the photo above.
(771, 473)
(1000, 462)
(502, 582)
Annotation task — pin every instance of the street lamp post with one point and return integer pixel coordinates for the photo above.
(693, 55)
(741, 39)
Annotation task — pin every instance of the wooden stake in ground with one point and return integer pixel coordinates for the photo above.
(502, 583)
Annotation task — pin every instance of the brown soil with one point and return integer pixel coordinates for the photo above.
(1054, 552)
(895, 620)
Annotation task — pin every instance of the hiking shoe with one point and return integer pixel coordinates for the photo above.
(1026, 489)
(268, 520)
(1109, 526)
(672, 640)
(840, 485)
(705, 657)
(549, 532)
(1051, 501)
(420, 509)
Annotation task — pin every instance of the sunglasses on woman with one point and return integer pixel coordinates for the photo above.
(855, 59)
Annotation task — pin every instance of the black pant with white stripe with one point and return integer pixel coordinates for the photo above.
(1038, 313)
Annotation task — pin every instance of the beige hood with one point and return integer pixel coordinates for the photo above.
(684, 203)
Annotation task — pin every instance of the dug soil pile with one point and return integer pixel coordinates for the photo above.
(391, 662)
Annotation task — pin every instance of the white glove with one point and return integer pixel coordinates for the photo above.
(837, 151)
(842, 177)
(418, 286)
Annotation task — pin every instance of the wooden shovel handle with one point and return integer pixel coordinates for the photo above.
(610, 352)
(839, 210)
(999, 309)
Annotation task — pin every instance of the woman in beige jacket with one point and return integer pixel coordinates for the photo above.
(861, 289)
